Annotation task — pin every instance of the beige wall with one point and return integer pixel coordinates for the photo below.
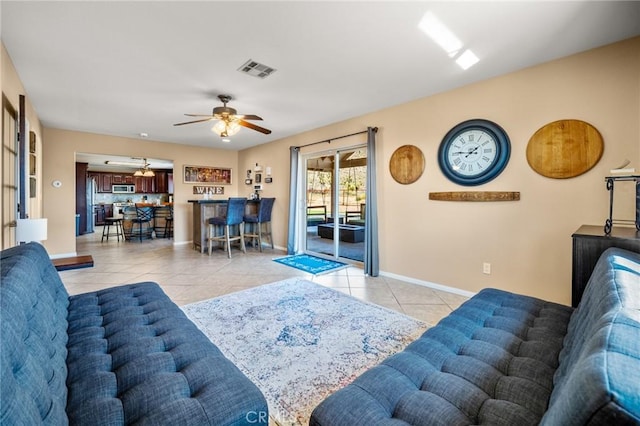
(527, 242)
(60, 148)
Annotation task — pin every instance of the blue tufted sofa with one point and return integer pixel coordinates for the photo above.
(507, 359)
(124, 355)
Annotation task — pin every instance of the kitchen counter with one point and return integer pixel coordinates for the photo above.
(160, 214)
(205, 209)
(152, 204)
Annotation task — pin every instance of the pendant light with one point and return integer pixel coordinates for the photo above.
(144, 171)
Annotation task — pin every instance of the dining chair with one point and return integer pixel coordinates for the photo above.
(256, 221)
(232, 218)
(144, 217)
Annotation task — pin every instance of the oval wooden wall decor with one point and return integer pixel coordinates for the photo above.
(564, 149)
(406, 164)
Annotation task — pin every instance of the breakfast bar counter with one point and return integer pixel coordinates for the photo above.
(158, 224)
(205, 209)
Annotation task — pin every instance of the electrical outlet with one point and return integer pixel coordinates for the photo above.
(486, 268)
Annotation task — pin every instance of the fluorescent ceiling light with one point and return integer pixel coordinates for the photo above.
(438, 32)
(467, 59)
(121, 163)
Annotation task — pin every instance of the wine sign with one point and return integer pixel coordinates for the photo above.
(208, 190)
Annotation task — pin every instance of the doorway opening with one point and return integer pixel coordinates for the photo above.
(336, 194)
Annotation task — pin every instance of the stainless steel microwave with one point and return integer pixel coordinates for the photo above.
(123, 189)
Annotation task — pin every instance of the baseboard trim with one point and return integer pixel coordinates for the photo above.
(428, 284)
(60, 256)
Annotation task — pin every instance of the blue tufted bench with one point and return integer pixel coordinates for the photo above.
(124, 355)
(507, 359)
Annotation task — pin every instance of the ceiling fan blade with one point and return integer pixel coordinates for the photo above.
(196, 121)
(198, 115)
(254, 127)
(249, 117)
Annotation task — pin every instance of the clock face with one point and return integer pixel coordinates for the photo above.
(474, 152)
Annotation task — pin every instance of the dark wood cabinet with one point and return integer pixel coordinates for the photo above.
(121, 178)
(104, 184)
(103, 181)
(96, 178)
(145, 185)
(158, 184)
(589, 242)
(140, 183)
(161, 183)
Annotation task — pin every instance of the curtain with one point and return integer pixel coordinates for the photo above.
(371, 260)
(293, 200)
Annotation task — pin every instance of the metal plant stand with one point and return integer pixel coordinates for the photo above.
(610, 187)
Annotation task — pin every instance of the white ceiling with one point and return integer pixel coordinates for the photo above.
(122, 68)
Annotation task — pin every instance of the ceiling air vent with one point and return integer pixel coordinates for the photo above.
(256, 69)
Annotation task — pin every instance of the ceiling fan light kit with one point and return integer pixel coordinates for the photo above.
(229, 120)
(226, 128)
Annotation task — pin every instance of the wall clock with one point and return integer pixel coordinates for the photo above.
(474, 152)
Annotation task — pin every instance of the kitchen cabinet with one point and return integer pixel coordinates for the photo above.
(121, 178)
(161, 186)
(95, 176)
(145, 185)
(158, 184)
(103, 181)
(104, 184)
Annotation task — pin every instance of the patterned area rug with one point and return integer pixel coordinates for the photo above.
(299, 341)
(312, 264)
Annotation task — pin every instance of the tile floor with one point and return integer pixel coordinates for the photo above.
(188, 276)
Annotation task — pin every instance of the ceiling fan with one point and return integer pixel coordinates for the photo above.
(229, 120)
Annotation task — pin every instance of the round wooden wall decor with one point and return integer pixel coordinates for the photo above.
(406, 164)
(564, 149)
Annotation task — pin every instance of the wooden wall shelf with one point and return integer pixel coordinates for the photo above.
(475, 196)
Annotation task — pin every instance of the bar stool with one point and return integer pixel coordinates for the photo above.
(262, 217)
(144, 216)
(106, 229)
(168, 224)
(235, 212)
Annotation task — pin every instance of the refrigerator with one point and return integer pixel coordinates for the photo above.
(91, 199)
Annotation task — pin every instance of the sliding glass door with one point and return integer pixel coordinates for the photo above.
(335, 200)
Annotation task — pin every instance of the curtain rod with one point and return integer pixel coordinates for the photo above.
(375, 129)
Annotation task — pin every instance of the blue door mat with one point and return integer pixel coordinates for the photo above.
(311, 264)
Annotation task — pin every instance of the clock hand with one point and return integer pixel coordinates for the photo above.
(471, 151)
